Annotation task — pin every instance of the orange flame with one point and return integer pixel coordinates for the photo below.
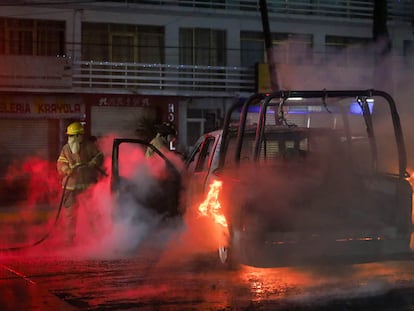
(211, 205)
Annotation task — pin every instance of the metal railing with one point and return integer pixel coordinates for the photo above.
(163, 78)
(349, 9)
(181, 80)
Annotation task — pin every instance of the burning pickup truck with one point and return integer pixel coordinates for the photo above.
(307, 177)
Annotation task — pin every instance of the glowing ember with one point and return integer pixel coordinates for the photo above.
(211, 205)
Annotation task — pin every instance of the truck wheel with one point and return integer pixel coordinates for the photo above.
(227, 256)
(223, 253)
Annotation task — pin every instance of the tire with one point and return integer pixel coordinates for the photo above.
(223, 253)
(226, 255)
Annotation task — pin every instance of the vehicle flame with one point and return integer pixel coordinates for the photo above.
(211, 205)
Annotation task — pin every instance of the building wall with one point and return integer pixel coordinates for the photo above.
(233, 23)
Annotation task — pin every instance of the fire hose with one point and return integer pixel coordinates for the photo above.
(17, 248)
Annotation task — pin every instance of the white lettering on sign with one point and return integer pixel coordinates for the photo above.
(171, 118)
(171, 108)
(123, 101)
(171, 115)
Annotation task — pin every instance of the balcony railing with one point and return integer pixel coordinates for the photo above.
(33, 73)
(171, 79)
(349, 9)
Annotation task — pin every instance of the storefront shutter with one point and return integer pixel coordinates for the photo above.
(22, 138)
(119, 121)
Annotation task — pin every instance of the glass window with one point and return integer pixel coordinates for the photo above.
(346, 50)
(122, 47)
(95, 44)
(50, 38)
(199, 46)
(408, 52)
(20, 42)
(32, 37)
(290, 48)
(205, 152)
(252, 48)
(122, 43)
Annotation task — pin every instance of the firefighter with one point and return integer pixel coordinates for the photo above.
(79, 164)
(166, 133)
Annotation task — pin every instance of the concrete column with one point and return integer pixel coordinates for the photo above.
(233, 45)
(171, 44)
(182, 126)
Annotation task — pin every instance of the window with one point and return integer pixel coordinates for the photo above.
(50, 38)
(122, 43)
(346, 50)
(252, 48)
(122, 47)
(293, 48)
(203, 47)
(205, 152)
(290, 48)
(32, 37)
(408, 50)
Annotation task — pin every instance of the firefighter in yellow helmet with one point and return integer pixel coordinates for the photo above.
(166, 133)
(78, 163)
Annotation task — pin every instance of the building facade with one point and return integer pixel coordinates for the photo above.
(112, 63)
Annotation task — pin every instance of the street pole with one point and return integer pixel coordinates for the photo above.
(383, 46)
(269, 47)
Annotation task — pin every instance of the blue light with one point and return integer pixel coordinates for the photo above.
(298, 110)
(355, 108)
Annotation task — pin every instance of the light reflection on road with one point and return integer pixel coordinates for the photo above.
(202, 284)
(325, 283)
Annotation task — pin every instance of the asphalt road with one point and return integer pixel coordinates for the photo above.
(159, 276)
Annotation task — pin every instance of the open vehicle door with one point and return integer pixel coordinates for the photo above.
(151, 183)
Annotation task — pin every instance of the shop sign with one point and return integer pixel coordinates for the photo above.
(263, 84)
(124, 101)
(43, 107)
(171, 118)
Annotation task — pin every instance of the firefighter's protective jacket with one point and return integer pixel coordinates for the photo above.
(82, 167)
(158, 142)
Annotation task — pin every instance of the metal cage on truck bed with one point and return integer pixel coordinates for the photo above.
(314, 174)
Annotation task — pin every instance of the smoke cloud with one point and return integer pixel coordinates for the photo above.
(109, 225)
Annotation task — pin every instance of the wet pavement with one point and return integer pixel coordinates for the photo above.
(162, 274)
(21, 293)
(156, 279)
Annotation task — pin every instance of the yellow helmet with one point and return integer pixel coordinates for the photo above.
(75, 128)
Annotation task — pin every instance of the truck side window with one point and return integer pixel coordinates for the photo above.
(205, 152)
